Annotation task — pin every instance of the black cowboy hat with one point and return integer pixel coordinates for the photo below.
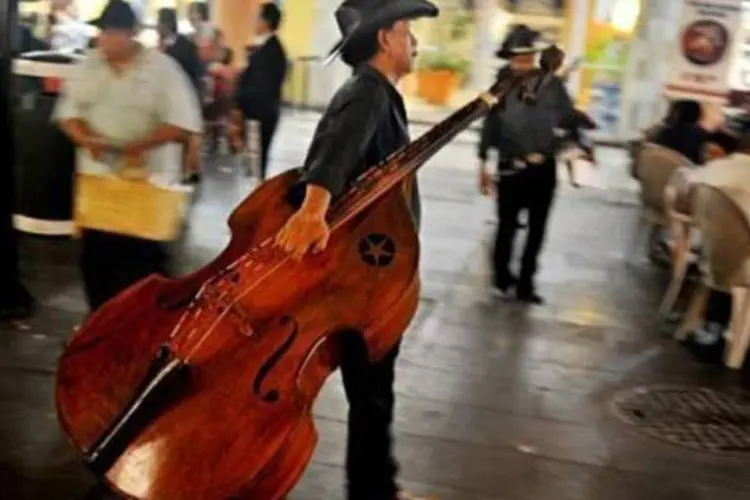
(117, 14)
(359, 18)
(520, 40)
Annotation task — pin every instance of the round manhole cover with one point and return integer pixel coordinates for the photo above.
(701, 419)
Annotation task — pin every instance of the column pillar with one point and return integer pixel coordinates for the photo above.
(324, 80)
(643, 102)
(577, 18)
(236, 19)
(482, 68)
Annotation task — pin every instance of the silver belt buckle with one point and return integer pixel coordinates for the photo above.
(535, 158)
(519, 164)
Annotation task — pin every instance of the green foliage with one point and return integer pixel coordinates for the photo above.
(460, 26)
(445, 61)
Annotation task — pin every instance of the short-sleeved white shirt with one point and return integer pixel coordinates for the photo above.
(125, 107)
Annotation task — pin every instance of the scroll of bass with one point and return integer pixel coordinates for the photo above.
(202, 387)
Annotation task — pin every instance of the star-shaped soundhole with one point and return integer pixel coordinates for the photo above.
(377, 250)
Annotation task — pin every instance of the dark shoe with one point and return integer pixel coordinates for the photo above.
(192, 179)
(529, 297)
(15, 313)
(18, 306)
(710, 354)
(707, 344)
(503, 285)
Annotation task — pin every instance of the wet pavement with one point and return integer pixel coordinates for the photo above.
(495, 401)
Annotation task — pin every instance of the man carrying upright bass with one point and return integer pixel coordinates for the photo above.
(364, 123)
(526, 137)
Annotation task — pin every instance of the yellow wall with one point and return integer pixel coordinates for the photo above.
(296, 33)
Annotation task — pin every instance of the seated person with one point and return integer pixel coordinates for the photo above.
(724, 140)
(731, 172)
(223, 75)
(682, 131)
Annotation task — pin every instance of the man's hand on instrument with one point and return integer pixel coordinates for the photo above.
(304, 231)
(485, 180)
(307, 229)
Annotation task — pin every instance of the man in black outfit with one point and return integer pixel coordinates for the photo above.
(526, 138)
(181, 48)
(364, 123)
(258, 93)
(15, 301)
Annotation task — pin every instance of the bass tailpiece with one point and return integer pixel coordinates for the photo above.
(161, 386)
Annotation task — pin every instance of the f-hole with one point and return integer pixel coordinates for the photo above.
(272, 395)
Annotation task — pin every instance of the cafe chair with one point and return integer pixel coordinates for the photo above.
(678, 202)
(655, 167)
(724, 264)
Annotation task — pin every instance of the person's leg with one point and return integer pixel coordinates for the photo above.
(15, 301)
(707, 342)
(99, 261)
(192, 159)
(540, 192)
(267, 131)
(509, 204)
(140, 259)
(716, 319)
(370, 466)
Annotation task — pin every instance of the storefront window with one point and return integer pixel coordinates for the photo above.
(444, 65)
(457, 49)
(609, 34)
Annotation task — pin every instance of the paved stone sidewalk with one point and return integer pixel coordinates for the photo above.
(495, 401)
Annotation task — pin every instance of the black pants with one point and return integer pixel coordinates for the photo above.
(532, 189)
(719, 308)
(370, 466)
(110, 263)
(12, 293)
(267, 128)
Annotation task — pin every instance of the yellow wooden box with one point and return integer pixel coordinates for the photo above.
(128, 204)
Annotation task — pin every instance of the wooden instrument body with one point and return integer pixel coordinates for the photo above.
(259, 350)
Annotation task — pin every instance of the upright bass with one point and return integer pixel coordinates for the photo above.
(202, 387)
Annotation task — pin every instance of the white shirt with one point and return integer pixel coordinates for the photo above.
(730, 174)
(70, 34)
(125, 107)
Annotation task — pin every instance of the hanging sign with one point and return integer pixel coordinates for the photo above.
(704, 50)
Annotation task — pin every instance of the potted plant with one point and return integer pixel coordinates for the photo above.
(439, 75)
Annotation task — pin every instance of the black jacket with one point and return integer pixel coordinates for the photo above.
(27, 42)
(185, 52)
(686, 138)
(363, 124)
(258, 93)
(517, 129)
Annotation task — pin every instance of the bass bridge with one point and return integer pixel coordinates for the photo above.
(220, 299)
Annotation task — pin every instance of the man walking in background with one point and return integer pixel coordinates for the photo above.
(185, 52)
(125, 102)
(181, 48)
(258, 92)
(526, 139)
